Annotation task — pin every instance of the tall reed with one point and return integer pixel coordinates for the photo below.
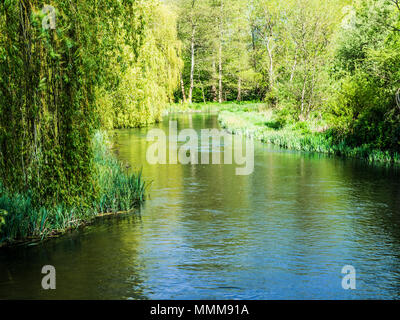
(118, 190)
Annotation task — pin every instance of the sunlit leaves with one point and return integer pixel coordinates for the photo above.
(47, 91)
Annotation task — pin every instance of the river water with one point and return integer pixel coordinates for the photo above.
(283, 232)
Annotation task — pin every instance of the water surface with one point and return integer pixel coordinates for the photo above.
(284, 232)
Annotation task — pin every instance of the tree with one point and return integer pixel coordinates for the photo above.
(367, 64)
(192, 17)
(146, 82)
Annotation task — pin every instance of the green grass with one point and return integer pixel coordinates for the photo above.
(119, 190)
(214, 107)
(311, 136)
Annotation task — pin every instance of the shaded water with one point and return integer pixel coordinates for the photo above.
(284, 232)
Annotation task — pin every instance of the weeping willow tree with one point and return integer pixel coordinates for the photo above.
(48, 107)
(140, 87)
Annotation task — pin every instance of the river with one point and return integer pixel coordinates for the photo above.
(283, 232)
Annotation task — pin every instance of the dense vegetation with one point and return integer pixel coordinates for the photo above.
(139, 86)
(333, 62)
(324, 73)
(105, 64)
(118, 191)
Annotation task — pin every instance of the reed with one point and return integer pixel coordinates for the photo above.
(119, 190)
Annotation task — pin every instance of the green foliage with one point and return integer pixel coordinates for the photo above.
(364, 27)
(367, 66)
(216, 107)
(146, 82)
(47, 93)
(310, 136)
(119, 190)
(275, 51)
(3, 214)
(336, 61)
(327, 72)
(50, 80)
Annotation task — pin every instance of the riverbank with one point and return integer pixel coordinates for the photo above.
(118, 191)
(311, 136)
(213, 107)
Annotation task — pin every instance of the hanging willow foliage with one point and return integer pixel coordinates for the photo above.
(139, 88)
(47, 91)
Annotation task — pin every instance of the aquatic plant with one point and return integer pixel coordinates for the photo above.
(119, 190)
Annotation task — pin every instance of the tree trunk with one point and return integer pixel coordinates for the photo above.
(220, 54)
(239, 96)
(294, 67)
(192, 64)
(213, 86)
(271, 64)
(253, 43)
(220, 75)
(311, 99)
(202, 89)
(183, 90)
(303, 94)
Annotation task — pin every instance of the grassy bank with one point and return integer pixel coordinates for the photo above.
(213, 107)
(119, 190)
(311, 136)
